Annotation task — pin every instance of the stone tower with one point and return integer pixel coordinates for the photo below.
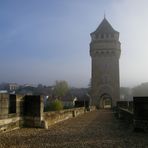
(105, 53)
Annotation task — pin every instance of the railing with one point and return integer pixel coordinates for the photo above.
(125, 115)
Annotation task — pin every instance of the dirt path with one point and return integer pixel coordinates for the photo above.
(97, 129)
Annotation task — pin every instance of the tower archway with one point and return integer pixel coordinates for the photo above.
(105, 101)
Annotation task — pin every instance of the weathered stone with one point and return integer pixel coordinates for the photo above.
(16, 112)
(105, 53)
(29, 113)
(50, 118)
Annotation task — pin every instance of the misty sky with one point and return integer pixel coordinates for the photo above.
(46, 40)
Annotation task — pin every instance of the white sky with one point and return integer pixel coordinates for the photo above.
(132, 19)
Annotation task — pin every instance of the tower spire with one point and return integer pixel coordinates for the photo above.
(104, 15)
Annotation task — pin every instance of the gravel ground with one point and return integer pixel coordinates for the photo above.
(97, 129)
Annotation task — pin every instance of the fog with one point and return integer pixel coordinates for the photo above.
(41, 42)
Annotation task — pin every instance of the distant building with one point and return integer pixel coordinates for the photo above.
(3, 91)
(10, 87)
(69, 102)
(13, 86)
(27, 85)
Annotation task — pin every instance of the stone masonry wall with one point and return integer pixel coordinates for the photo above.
(18, 111)
(50, 118)
(32, 111)
(10, 120)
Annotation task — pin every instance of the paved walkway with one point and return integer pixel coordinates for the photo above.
(97, 129)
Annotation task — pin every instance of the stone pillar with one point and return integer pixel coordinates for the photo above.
(19, 104)
(41, 107)
(4, 106)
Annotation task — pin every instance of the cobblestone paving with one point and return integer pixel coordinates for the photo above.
(97, 129)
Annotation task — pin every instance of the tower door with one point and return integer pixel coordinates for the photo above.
(105, 101)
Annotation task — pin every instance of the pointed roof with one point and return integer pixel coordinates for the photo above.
(105, 27)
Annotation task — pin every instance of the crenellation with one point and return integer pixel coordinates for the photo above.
(16, 113)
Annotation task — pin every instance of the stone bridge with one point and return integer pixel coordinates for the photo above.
(96, 129)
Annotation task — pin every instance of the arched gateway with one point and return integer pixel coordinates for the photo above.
(105, 101)
(105, 53)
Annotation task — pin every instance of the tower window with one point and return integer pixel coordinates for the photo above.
(102, 36)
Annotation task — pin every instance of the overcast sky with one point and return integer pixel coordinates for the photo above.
(46, 40)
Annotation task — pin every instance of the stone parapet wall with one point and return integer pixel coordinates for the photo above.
(4, 106)
(18, 111)
(134, 112)
(92, 108)
(29, 121)
(10, 121)
(9, 124)
(125, 115)
(33, 110)
(50, 118)
(122, 104)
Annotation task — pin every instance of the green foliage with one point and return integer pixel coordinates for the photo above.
(55, 106)
(61, 88)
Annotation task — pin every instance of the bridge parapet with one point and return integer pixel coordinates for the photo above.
(125, 110)
(50, 118)
(135, 112)
(125, 114)
(18, 111)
